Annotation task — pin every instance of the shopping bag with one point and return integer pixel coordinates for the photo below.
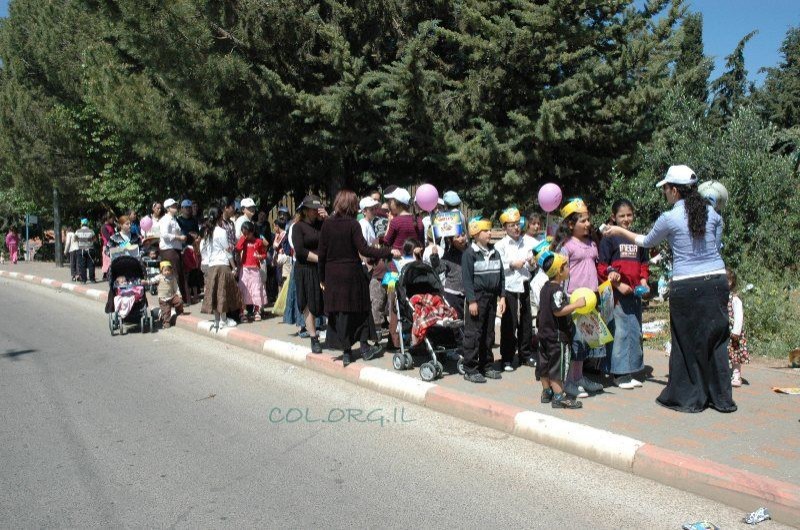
(280, 303)
(606, 301)
(593, 329)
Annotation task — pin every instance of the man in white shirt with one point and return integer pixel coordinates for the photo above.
(516, 327)
(248, 206)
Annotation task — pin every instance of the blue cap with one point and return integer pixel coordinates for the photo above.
(283, 209)
(451, 198)
(185, 203)
(84, 221)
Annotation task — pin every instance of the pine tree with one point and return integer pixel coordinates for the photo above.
(693, 67)
(730, 89)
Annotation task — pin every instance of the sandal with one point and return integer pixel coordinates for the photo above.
(256, 317)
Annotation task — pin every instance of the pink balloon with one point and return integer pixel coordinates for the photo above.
(146, 224)
(427, 197)
(549, 197)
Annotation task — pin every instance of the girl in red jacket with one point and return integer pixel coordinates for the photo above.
(626, 265)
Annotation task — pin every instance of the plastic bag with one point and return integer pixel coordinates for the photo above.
(280, 302)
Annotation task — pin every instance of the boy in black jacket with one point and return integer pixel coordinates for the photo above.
(482, 273)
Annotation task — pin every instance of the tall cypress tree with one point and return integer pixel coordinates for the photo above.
(693, 67)
(730, 89)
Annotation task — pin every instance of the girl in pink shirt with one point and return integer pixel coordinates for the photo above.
(574, 240)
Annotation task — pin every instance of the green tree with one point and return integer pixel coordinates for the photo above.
(730, 89)
(693, 67)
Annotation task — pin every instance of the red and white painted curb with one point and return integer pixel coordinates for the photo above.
(710, 479)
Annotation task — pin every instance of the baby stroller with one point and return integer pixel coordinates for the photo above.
(443, 338)
(125, 262)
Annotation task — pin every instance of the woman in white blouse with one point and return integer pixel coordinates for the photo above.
(222, 291)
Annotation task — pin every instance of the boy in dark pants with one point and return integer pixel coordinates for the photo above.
(482, 274)
(556, 331)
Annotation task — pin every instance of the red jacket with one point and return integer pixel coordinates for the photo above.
(629, 260)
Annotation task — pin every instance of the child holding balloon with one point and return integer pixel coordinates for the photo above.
(627, 267)
(574, 240)
(556, 332)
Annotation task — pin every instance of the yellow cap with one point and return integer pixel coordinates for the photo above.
(558, 261)
(164, 264)
(574, 206)
(509, 215)
(478, 224)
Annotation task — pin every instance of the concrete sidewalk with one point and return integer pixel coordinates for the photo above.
(747, 459)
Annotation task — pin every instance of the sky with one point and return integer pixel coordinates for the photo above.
(725, 22)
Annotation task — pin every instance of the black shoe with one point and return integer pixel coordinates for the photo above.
(368, 353)
(547, 395)
(491, 373)
(562, 401)
(475, 378)
(590, 386)
(316, 347)
(531, 361)
(346, 358)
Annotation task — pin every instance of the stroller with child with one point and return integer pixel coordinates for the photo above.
(127, 299)
(439, 333)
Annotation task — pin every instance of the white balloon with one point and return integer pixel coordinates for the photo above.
(713, 189)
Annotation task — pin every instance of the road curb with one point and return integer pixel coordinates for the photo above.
(707, 478)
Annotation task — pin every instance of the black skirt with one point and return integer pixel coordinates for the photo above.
(309, 293)
(699, 374)
(345, 329)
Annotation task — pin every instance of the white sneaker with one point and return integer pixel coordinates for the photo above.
(508, 368)
(230, 323)
(636, 382)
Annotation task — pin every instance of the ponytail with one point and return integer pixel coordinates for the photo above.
(212, 220)
(564, 232)
(696, 210)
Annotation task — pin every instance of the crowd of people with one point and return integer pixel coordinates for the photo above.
(327, 270)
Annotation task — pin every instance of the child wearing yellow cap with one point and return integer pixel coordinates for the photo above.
(556, 332)
(574, 240)
(483, 279)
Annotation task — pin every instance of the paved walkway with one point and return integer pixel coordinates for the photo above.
(763, 437)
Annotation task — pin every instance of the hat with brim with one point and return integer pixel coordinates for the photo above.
(367, 202)
(170, 203)
(248, 203)
(401, 195)
(679, 176)
(186, 203)
(311, 202)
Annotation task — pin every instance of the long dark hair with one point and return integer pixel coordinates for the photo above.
(564, 232)
(619, 203)
(211, 221)
(696, 209)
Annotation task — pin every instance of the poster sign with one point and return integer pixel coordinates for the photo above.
(447, 224)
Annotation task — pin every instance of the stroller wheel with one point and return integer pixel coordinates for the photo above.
(397, 361)
(111, 326)
(121, 324)
(427, 371)
(143, 324)
(409, 361)
(439, 369)
(460, 366)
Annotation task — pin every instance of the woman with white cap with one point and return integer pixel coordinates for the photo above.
(171, 245)
(700, 376)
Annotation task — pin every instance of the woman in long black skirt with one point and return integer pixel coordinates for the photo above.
(345, 281)
(699, 373)
(305, 239)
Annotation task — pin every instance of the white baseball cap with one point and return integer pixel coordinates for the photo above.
(367, 202)
(170, 202)
(679, 175)
(400, 195)
(248, 203)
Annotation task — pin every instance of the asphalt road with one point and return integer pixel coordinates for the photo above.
(177, 430)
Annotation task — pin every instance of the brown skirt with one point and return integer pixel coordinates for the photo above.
(222, 292)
